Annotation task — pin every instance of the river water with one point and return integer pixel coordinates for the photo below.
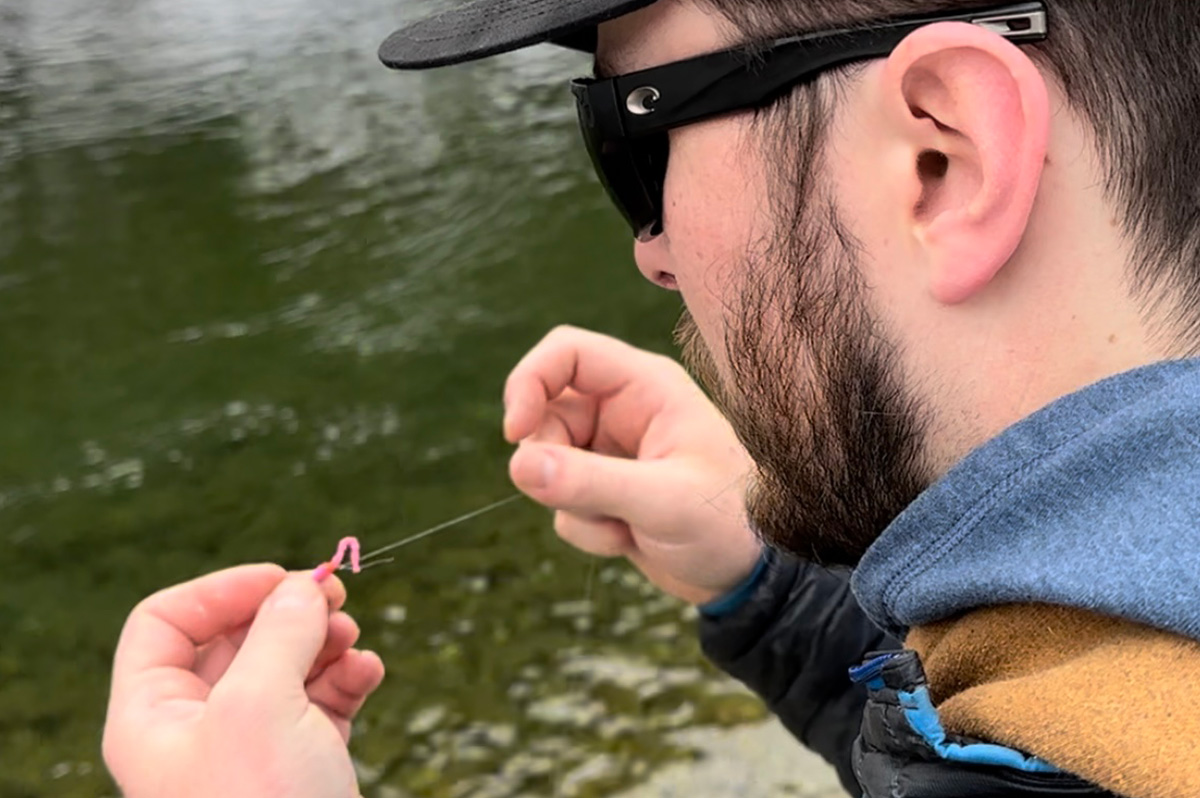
(258, 292)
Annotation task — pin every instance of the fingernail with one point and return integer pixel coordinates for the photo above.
(292, 595)
(509, 416)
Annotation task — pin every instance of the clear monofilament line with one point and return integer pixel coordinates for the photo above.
(440, 527)
(373, 563)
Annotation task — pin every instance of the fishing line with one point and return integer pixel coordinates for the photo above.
(369, 559)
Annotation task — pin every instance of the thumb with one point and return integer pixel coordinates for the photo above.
(284, 639)
(582, 482)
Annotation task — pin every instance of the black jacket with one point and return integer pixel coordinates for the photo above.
(794, 641)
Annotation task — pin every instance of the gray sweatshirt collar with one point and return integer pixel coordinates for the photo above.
(1092, 502)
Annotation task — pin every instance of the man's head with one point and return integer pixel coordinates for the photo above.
(888, 265)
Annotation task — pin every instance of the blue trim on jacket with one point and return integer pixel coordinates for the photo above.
(740, 594)
(924, 719)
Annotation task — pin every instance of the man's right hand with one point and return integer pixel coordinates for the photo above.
(634, 458)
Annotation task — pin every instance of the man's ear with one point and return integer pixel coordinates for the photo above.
(973, 113)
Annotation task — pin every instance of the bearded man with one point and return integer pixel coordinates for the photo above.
(941, 263)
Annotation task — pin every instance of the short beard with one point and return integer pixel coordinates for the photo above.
(815, 394)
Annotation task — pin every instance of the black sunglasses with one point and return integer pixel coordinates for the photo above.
(625, 119)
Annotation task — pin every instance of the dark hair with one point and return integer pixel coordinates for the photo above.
(1129, 68)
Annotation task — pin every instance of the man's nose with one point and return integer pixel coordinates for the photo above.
(653, 261)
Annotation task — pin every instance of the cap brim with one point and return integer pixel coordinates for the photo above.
(490, 27)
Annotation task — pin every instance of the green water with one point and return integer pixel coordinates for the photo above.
(256, 293)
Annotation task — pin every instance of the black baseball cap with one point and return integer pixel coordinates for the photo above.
(490, 27)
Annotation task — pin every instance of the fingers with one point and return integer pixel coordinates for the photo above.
(165, 630)
(599, 537)
(591, 363)
(343, 633)
(187, 627)
(583, 483)
(215, 658)
(343, 687)
(282, 645)
(570, 420)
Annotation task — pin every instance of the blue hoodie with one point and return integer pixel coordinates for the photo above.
(1092, 502)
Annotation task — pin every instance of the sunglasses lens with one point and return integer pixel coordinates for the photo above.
(632, 173)
(650, 159)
